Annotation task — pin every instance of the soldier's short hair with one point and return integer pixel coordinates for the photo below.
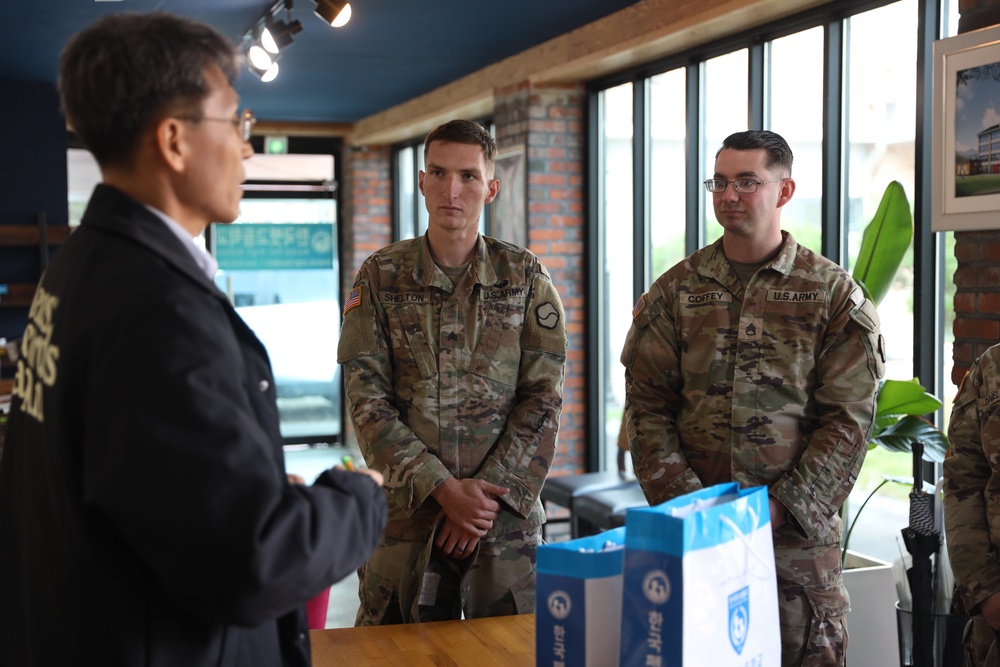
(465, 132)
(128, 70)
(778, 152)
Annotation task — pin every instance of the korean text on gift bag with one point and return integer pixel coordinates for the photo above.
(699, 582)
(578, 601)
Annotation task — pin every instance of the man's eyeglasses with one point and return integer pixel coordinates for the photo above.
(741, 185)
(243, 123)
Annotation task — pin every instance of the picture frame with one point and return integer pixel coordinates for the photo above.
(965, 146)
(509, 221)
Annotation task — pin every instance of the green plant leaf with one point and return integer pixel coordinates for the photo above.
(901, 435)
(904, 397)
(884, 243)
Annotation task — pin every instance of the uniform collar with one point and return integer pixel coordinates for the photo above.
(427, 273)
(715, 263)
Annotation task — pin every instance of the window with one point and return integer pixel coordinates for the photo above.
(840, 84)
(278, 264)
(619, 257)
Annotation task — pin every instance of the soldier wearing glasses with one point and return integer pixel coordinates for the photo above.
(756, 360)
(145, 513)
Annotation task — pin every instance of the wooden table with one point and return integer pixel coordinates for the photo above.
(504, 641)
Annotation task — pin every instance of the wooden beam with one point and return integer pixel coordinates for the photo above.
(638, 34)
(302, 129)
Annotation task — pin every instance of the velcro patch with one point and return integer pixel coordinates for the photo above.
(403, 297)
(547, 315)
(785, 295)
(639, 306)
(505, 293)
(705, 298)
(353, 299)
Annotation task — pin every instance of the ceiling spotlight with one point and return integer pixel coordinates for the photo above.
(277, 34)
(270, 74)
(335, 12)
(261, 63)
(268, 35)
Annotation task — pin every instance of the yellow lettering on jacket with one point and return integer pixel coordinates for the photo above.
(37, 366)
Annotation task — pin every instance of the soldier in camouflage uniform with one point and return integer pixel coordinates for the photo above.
(756, 360)
(972, 506)
(453, 347)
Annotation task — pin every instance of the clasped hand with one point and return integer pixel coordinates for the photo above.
(468, 509)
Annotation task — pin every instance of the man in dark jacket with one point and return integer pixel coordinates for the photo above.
(146, 517)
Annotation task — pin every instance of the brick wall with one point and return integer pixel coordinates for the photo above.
(365, 223)
(549, 121)
(977, 297)
(366, 207)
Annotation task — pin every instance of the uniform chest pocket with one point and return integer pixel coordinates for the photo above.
(498, 354)
(410, 341)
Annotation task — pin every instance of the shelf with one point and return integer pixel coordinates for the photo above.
(37, 235)
(27, 235)
(16, 294)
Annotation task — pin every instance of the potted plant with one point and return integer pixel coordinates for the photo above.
(899, 425)
(900, 404)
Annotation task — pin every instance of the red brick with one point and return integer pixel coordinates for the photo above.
(989, 303)
(990, 252)
(547, 179)
(965, 302)
(970, 328)
(966, 251)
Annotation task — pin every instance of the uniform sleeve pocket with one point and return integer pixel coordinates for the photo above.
(649, 312)
(866, 318)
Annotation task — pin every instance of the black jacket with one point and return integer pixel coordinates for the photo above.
(145, 514)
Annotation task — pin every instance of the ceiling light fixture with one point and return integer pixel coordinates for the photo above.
(267, 37)
(335, 12)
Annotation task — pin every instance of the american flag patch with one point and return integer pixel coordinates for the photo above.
(353, 299)
(639, 306)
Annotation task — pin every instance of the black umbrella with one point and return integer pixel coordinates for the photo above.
(923, 541)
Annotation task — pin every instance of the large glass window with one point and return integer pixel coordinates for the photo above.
(795, 107)
(881, 129)
(667, 173)
(278, 264)
(726, 111)
(406, 193)
(842, 89)
(616, 174)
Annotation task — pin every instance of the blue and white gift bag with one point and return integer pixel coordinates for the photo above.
(699, 582)
(578, 598)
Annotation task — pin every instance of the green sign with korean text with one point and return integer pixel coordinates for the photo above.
(255, 247)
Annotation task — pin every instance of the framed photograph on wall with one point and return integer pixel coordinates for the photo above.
(510, 216)
(965, 147)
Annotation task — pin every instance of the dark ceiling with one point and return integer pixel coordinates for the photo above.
(390, 52)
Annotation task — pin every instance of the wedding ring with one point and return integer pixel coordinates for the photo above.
(460, 550)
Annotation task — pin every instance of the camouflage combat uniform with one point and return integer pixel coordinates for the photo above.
(459, 381)
(972, 500)
(770, 385)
